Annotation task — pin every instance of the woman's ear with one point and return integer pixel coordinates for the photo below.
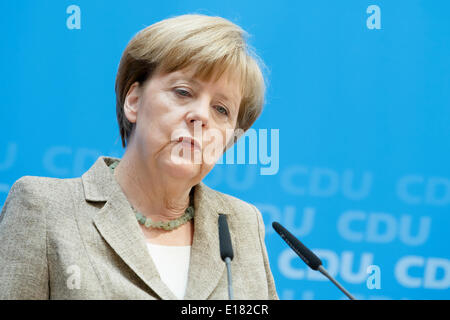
(130, 106)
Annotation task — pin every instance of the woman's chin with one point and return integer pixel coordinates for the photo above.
(179, 167)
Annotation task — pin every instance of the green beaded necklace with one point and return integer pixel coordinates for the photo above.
(169, 225)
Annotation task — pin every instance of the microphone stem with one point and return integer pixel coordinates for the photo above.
(230, 285)
(325, 273)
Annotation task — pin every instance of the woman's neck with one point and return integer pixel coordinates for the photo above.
(151, 192)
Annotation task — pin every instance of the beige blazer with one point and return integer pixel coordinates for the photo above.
(78, 238)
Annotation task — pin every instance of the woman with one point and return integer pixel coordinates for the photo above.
(145, 226)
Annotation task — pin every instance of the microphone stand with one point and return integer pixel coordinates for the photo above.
(230, 284)
(307, 255)
(326, 274)
(226, 250)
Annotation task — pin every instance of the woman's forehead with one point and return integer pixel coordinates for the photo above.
(193, 74)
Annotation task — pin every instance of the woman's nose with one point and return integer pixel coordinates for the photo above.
(200, 113)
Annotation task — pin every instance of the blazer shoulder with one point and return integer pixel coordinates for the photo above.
(44, 187)
(34, 192)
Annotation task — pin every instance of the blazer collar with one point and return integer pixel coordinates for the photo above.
(118, 226)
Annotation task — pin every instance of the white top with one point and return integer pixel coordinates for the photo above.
(172, 263)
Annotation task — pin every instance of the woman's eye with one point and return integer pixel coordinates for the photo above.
(222, 110)
(183, 93)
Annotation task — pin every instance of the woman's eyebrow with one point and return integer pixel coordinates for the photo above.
(187, 79)
(224, 97)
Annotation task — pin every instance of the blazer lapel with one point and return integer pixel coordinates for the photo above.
(206, 267)
(118, 226)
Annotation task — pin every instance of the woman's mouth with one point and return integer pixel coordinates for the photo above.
(190, 142)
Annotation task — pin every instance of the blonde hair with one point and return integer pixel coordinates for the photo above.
(210, 45)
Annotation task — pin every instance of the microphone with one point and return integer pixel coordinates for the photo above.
(226, 250)
(307, 255)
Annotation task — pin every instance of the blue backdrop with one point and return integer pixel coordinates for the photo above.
(359, 92)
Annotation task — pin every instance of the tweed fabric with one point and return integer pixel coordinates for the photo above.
(78, 238)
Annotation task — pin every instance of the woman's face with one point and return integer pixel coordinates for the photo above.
(175, 105)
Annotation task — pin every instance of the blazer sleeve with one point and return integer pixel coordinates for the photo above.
(270, 281)
(23, 250)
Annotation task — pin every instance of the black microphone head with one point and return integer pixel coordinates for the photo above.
(226, 248)
(303, 252)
